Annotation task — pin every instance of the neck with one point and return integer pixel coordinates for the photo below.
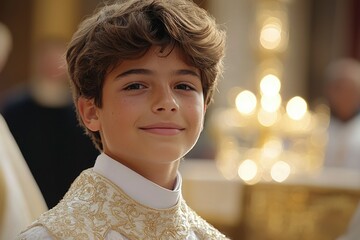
(162, 174)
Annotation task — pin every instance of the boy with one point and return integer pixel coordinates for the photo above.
(142, 73)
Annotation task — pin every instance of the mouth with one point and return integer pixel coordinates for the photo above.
(164, 129)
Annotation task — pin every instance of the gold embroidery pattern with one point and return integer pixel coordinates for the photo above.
(93, 206)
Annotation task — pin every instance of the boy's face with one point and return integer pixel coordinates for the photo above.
(152, 110)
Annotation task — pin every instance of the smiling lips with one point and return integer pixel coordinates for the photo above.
(165, 129)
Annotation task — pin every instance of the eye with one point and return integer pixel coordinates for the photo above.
(185, 87)
(134, 86)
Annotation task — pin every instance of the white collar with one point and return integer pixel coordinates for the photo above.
(136, 186)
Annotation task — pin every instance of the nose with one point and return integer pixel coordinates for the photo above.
(164, 101)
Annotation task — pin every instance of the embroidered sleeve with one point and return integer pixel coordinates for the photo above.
(35, 233)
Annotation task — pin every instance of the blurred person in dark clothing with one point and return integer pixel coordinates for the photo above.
(43, 122)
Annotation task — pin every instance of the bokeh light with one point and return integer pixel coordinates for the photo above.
(247, 170)
(270, 85)
(280, 171)
(246, 102)
(296, 108)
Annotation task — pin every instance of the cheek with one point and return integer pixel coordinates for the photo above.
(196, 113)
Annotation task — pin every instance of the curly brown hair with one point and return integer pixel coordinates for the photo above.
(127, 29)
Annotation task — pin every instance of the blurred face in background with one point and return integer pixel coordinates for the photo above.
(49, 81)
(50, 61)
(343, 92)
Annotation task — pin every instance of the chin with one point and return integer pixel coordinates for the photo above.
(166, 153)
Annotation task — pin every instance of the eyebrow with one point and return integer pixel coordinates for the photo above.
(143, 71)
(187, 72)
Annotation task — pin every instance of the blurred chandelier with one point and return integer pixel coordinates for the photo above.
(261, 138)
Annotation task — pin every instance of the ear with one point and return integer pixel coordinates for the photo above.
(88, 113)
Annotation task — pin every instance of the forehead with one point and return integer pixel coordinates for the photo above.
(160, 58)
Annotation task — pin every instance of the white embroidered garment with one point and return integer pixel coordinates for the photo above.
(23, 201)
(96, 208)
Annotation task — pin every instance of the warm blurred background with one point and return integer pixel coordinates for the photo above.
(260, 170)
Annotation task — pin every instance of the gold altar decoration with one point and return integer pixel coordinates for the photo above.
(260, 137)
(316, 207)
(296, 212)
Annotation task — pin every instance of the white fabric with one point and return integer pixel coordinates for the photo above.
(343, 147)
(23, 199)
(343, 151)
(353, 232)
(136, 186)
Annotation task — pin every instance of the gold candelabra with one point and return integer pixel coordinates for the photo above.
(260, 137)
